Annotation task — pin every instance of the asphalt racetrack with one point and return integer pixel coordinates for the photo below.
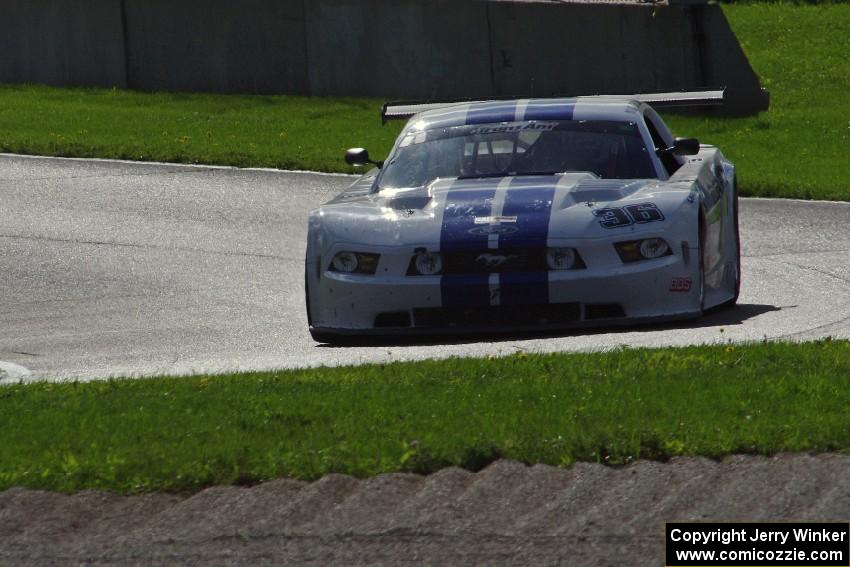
(114, 268)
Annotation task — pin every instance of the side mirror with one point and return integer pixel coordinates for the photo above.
(681, 147)
(685, 147)
(360, 156)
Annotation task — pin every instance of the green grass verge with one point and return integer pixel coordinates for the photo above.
(286, 132)
(182, 434)
(798, 148)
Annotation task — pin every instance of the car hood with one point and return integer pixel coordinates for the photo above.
(467, 213)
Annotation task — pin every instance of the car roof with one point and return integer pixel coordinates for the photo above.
(578, 108)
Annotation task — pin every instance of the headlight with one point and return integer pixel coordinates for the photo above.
(647, 249)
(560, 258)
(355, 262)
(428, 263)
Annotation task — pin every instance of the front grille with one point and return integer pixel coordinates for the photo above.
(496, 315)
(494, 261)
(497, 261)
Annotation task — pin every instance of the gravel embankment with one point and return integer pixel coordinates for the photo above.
(507, 514)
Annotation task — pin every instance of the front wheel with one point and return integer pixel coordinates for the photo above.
(734, 300)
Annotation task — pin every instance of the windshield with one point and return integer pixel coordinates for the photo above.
(608, 149)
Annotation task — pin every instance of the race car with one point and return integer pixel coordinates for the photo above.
(509, 215)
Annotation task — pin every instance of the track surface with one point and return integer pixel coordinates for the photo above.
(507, 514)
(113, 268)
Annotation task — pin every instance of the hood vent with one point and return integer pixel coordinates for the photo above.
(409, 202)
(605, 190)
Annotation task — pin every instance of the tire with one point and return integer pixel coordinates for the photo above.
(701, 241)
(731, 303)
(322, 336)
(307, 301)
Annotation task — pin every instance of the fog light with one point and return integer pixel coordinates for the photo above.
(654, 248)
(560, 258)
(646, 249)
(429, 263)
(345, 262)
(355, 262)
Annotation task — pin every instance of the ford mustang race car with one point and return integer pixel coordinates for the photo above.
(509, 215)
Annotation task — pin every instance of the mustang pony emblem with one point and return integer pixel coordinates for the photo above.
(493, 260)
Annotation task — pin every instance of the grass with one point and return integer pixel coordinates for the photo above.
(798, 148)
(182, 434)
(287, 132)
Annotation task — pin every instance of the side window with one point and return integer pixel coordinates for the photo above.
(671, 164)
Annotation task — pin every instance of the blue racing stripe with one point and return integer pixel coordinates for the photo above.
(457, 233)
(549, 110)
(491, 113)
(531, 204)
(461, 208)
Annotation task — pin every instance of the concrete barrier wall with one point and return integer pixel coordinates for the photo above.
(62, 42)
(399, 48)
(590, 48)
(216, 45)
(422, 49)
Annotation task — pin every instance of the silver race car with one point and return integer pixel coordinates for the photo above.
(527, 214)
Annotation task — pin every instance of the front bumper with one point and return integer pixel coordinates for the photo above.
(651, 290)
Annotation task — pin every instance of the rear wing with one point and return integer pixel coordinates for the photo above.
(402, 110)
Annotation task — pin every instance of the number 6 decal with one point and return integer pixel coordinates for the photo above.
(615, 217)
(645, 212)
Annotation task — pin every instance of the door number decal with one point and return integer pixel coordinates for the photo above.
(616, 217)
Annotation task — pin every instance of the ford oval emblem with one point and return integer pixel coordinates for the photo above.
(492, 229)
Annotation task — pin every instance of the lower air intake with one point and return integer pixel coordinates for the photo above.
(392, 319)
(496, 316)
(603, 311)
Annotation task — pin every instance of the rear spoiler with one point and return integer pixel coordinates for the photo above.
(404, 109)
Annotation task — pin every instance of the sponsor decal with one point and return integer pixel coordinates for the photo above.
(492, 229)
(495, 219)
(680, 284)
(516, 127)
